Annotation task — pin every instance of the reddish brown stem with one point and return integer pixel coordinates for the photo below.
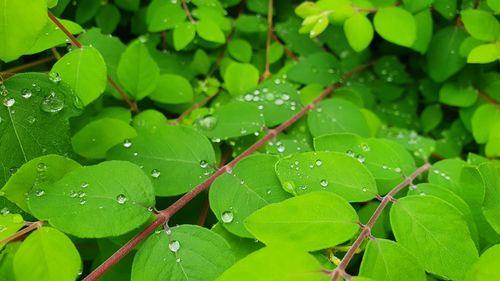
(267, 71)
(165, 215)
(191, 109)
(366, 230)
(488, 99)
(22, 232)
(188, 13)
(132, 105)
(204, 212)
(28, 65)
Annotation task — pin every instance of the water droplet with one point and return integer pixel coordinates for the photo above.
(281, 148)
(365, 147)
(13, 170)
(243, 131)
(361, 159)
(39, 192)
(227, 217)
(319, 162)
(289, 186)
(350, 153)
(208, 123)
(385, 167)
(4, 211)
(26, 93)
(279, 102)
(127, 143)
(413, 187)
(53, 102)
(84, 185)
(31, 119)
(9, 102)
(323, 183)
(83, 201)
(178, 260)
(54, 77)
(81, 194)
(364, 189)
(174, 246)
(121, 199)
(155, 173)
(268, 192)
(397, 170)
(203, 164)
(41, 167)
(73, 194)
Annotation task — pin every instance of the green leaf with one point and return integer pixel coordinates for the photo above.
(93, 140)
(485, 53)
(41, 170)
(129, 5)
(37, 121)
(51, 35)
(447, 8)
(251, 185)
(421, 147)
(49, 255)
(330, 171)
(431, 117)
(84, 70)
(22, 23)
(396, 25)
(108, 18)
(481, 25)
(491, 204)
(483, 121)
(164, 15)
(486, 268)
(7, 258)
(442, 244)
(210, 31)
(175, 165)
(137, 71)
(241, 247)
(310, 222)
(386, 260)
(494, 5)
(148, 121)
(103, 205)
(386, 160)
(458, 94)
(184, 33)
(189, 253)
(240, 78)
(287, 263)
(424, 24)
(86, 10)
(232, 120)
(443, 55)
(319, 68)
(337, 116)
(172, 89)
(416, 5)
(359, 32)
(240, 49)
(9, 224)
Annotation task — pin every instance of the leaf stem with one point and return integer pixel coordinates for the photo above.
(366, 229)
(23, 232)
(267, 71)
(132, 105)
(28, 65)
(188, 13)
(482, 95)
(167, 213)
(191, 109)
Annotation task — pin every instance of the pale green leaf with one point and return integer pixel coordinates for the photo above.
(172, 89)
(359, 32)
(396, 25)
(240, 78)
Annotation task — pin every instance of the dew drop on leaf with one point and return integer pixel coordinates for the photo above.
(26, 93)
(41, 167)
(203, 164)
(121, 199)
(323, 183)
(208, 123)
(365, 147)
(350, 153)
(155, 173)
(52, 102)
(9, 102)
(127, 143)
(319, 162)
(54, 77)
(174, 246)
(227, 217)
(361, 159)
(84, 185)
(39, 192)
(397, 170)
(281, 148)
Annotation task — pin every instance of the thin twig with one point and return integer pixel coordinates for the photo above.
(29, 65)
(166, 214)
(132, 105)
(482, 95)
(267, 71)
(289, 53)
(188, 13)
(22, 232)
(366, 229)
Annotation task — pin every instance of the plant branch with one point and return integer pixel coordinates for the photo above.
(366, 229)
(22, 232)
(267, 71)
(188, 13)
(191, 109)
(165, 215)
(28, 65)
(132, 105)
(482, 95)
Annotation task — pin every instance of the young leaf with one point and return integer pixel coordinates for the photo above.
(172, 89)
(184, 33)
(240, 49)
(486, 268)
(481, 25)
(359, 32)
(285, 262)
(41, 170)
(386, 260)
(485, 53)
(49, 254)
(483, 121)
(443, 56)
(330, 171)
(442, 244)
(103, 206)
(97, 137)
(240, 78)
(396, 25)
(233, 197)
(22, 22)
(40, 123)
(189, 252)
(210, 31)
(175, 165)
(337, 116)
(84, 70)
(137, 70)
(310, 222)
